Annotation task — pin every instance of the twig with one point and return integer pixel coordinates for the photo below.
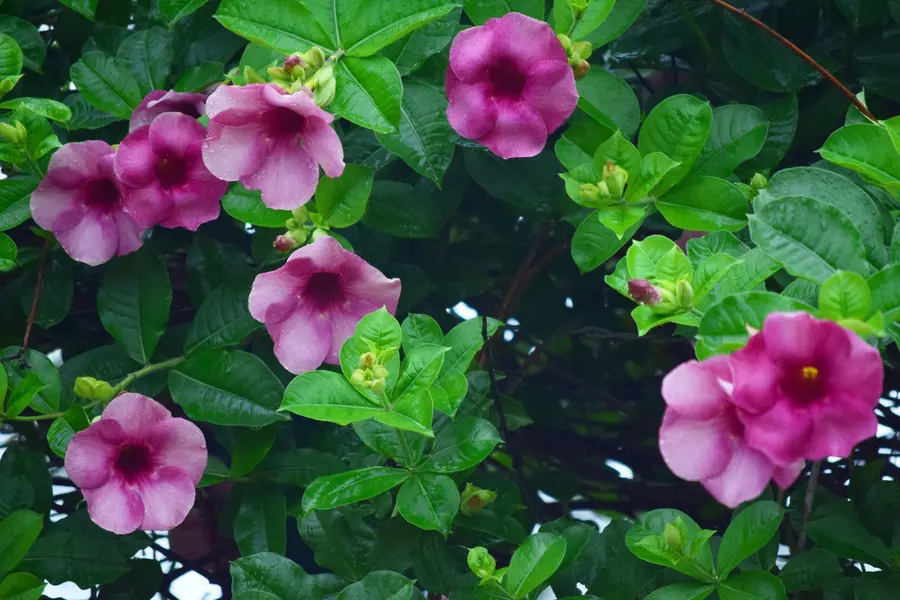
(803, 55)
(37, 295)
(808, 502)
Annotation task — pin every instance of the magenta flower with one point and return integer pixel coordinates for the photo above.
(158, 102)
(702, 437)
(312, 304)
(137, 466)
(163, 161)
(806, 388)
(82, 202)
(510, 85)
(271, 141)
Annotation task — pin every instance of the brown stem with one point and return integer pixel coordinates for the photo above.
(37, 296)
(808, 502)
(803, 55)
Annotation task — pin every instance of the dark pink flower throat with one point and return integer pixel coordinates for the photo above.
(324, 290)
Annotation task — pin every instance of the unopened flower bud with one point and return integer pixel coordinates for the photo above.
(368, 360)
(684, 294)
(474, 499)
(378, 386)
(315, 57)
(582, 49)
(293, 61)
(481, 562)
(581, 69)
(278, 73)
(672, 536)
(358, 378)
(103, 391)
(251, 76)
(324, 94)
(84, 387)
(594, 194)
(13, 134)
(285, 243)
(566, 42)
(615, 178)
(379, 372)
(644, 292)
(759, 182)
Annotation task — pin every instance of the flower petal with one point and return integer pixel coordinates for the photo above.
(148, 205)
(301, 103)
(168, 498)
(519, 132)
(194, 203)
(273, 297)
(756, 378)
(698, 389)
(56, 209)
(781, 433)
(175, 134)
(231, 153)
(158, 102)
(115, 506)
(130, 233)
(93, 241)
(840, 422)
(796, 338)
(324, 146)
(696, 449)
(287, 179)
(551, 91)
(236, 105)
(470, 53)
(365, 282)
(135, 161)
(860, 373)
(325, 254)
(179, 443)
(745, 477)
(302, 341)
(76, 163)
(526, 41)
(471, 110)
(137, 414)
(786, 476)
(344, 320)
(91, 455)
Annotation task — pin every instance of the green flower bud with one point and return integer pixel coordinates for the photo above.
(684, 294)
(103, 391)
(378, 386)
(315, 58)
(581, 69)
(318, 234)
(251, 76)
(566, 42)
(368, 360)
(380, 372)
(672, 536)
(582, 49)
(481, 562)
(759, 182)
(358, 378)
(324, 95)
(13, 134)
(279, 73)
(84, 387)
(615, 178)
(474, 499)
(594, 194)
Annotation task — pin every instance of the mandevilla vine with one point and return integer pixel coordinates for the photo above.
(287, 301)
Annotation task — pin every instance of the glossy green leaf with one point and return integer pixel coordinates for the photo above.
(418, 329)
(885, 287)
(644, 255)
(107, 83)
(809, 570)
(620, 152)
(175, 10)
(227, 388)
(482, 10)
(621, 217)
(790, 231)
(405, 447)
(866, 149)
(623, 14)
(250, 446)
(369, 93)
(845, 296)
(284, 25)
(429, 502)
(849, 539)
(270, 576)
(15, 197)
(85, 115)
(29, 40)
(296, 467)
(259, 525)
(63, 429)
(18, 532)
(723, 328)
(380, 585)
(410, 53)
(462, 445)
(247, 206)
(594, 243)
(342, 201)
(336, 490)
(709, 272)
(644, 540)
(362, 28)
(578, 28)
(412, 211)
(200, 77)
(752, 585)
(49, 109)
(705, 204)
(464, 341)
(148, 56)
(610, 100)
(47, 399)
(678, 127)
(533, 563)
(222, 320)
(682, 591)
(419, 370)
(653, 167)
(8, 253)
(738, 133)
(782, 113)
(327, 396)
(750, 530)
(580, 141)
(133, 303)
(11, 58)
(21, 586)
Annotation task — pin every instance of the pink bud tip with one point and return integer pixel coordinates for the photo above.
(284, 243)
(644, 292)
(292, 61)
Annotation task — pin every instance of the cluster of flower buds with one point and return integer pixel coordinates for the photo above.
(371, 374)
(310, 70)
(664, 298)
(578, 53)
(302, 227)
(474, 499)
(608, 190)
(93, 389)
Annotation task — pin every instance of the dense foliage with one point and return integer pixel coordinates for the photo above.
(486, 274)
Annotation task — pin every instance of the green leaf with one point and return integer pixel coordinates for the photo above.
(783, 114)
(418, 329)
(63, 429)
(419, 370)
(133, 303)
(531, 185)
(8, 253)
(376, 332)
(21, 586)
(45, 401)
(342, 201)
(464, 341)
(580, 141)
(682, 591)
(449, 393)
(284, 25)
(425, 143)
(336, 490)
(412, 412)
(380, 585)
(653, 167)
(57, 288)
(175, 10)
(29, 40)
(723, 328)
(222, 320)
(594, 243)
(227, 388)
(410, 54)
(86, 8)
(841, 193)
(369, 93)
(15, 199)
(411, 211)
(200, 77)
(738, 133)
(849, 539)
(11, 58)
(678, 127)
(18, 532)
(49, 109)
(482, 10)
(718, 242)
(148, 55)
(578, 28)
(621, 217)
(752, 585)
(623, 14)
(705, 204)
(296, 467)
(405, 447)
(85, 115)
(533, 563)
(845, 296)
(644, 255)
(644, 539)
(341, 540)
(867, 149)
(270, 576)
(789, 230)
(610, 100)
(327, 396)
(363, 28)
(259, 525)
(620, 152)
(585, 173)
(250, 447)
(462, 445)
(885, 287)
(750, 530)
(247, 206)
(107, 84)
(429, 502)
(107, 363)
(809, 570)
(709, 272)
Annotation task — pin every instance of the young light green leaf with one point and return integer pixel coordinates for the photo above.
(867, 149)
(581, 26)
(533, 563)
(750, 530)
(623, 14)
(682, 591)
(419, 370)
(621, 217)
(594, 243)
(369, 93)
(21, 586)
(49, 109)
(579, 143)
(643, 255)
(610, 100)
(63, 429)
(620, 152)
(845, 296)
(653, 167)
(464, 341)
(247, 206)
(705, 204)
(429, 502)
(418, 329)
(336, 490)
(327, 396)
(342, 201)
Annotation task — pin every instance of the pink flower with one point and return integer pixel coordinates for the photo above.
(82, 202)
(158, 102)
(702, 437)
(137, 466)
(510, 85)
(271, 141)
(164, 162)
(806, 388)
(312, 304)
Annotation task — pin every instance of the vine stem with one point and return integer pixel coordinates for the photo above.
(803, 55)
(808, 500)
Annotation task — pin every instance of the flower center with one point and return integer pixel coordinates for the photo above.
(507, 80)
(133, 462)
(101, 194)
(283, 122)
(804, 384)
(324, 290)
(171, 171)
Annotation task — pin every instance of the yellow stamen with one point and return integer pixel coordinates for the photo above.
(810, 373)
